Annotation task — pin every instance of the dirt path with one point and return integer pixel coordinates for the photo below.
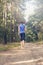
(32, 54)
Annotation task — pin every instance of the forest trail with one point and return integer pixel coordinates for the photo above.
(32, 54)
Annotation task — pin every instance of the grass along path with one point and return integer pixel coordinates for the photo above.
(8, 46)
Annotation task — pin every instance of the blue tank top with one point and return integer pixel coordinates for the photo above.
(22, 28)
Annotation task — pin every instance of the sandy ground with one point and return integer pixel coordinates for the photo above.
(31, 54)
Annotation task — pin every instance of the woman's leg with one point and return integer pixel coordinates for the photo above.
(22, 40)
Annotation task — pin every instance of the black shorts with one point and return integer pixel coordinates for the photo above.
(22, 36)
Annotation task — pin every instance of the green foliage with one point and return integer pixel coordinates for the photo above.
(1, 33)
(34, 29)
(40, 36)
(31, 33)
(8, 17)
